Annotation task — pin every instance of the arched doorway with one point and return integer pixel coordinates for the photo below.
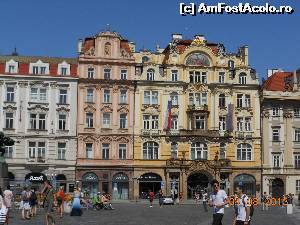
(277, 188)
(120, 185)
(90, 183)
(149, 181)
(248, 182)
(196, 183)
(61, 181)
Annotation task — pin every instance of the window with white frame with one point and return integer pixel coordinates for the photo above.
(174, 75)
(174, 150)
(198, 99)
(296, 112)
(91, 73)
(297, 161)
(243, 100)
(89, 120)
(106, 96)
(276, 160)
(275, 111)
(174, 98)
(150, 150)
(244, 152)
(105, 151)
(247, 101)
(41, 150)
(35, 70)
(122, 151)
(90, 95)
(123, 74)
(11, 66)
(10, 94)
(221, 77)
(248, 124)
(42, 121)
(61, 151)
(123, 120)
(222, 151)
(222, 101)
(200, 122)
(150, 122)
(297, 135)
(106, 120)
(39, 68)
(37, 121)
(63, 71)
(12, 69)
(239, 124)
(297, 186)
(9, 120)
(42, 70)
(62, 121)
(276, 134)
(106, 73)
(63, 95)
(150, 97)
(9, 151)
(198, 77)
(174, 122)
(38, 94)
(242, 78)
(150, 74)
(32, 150)
(123, 96)
(198, 151)
(89, 150)
(222, 123)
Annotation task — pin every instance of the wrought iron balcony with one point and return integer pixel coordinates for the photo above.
(197, 107)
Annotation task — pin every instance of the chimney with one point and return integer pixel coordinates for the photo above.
(176, 36)
(132, 46)
(79, 46)
(272, 71)
(200, 37)
(244, 54)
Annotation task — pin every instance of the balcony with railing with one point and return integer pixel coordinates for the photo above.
(152, 132)
(244, 134)
(197, 108)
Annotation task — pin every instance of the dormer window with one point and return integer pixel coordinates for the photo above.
(35, 70)
(63, 69)
(39, 68)
(11, 66)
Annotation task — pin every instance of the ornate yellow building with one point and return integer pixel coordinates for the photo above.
(212, 126)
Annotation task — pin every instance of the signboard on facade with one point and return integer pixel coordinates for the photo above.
(36, 177)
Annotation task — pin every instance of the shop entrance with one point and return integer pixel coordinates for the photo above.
(196, 183)
(277, 188)
(120, 185)
(149, 181)
(90, 183)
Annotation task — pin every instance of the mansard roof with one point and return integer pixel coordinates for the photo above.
(279, 81)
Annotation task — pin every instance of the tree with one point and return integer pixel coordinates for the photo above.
(5, 141)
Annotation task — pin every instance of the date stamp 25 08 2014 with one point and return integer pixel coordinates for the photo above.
(255, 202)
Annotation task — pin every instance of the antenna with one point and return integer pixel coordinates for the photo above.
(15, 53)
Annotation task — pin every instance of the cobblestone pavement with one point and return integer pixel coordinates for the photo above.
(141, 214)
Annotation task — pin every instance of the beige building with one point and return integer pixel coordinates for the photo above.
(212, 127)
(281, 133)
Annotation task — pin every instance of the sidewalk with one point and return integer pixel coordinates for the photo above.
(146, 201)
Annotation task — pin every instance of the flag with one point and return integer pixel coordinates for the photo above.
(168, 117)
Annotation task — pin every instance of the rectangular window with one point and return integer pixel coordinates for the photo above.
(239, 124)
(62, 120)
(89, 150)
(123, 74)
(9, 150)
(11, 69)
(34, 96)
(248, 124)
(297, 161)
(174, 123)
(32, 121)
(174, 150)
(89, 120)
(198, 99)
(200, 122)
(31, 150)
(9, 120)
(105, 151)
(150, 97)
(275, 111)
(63, 93)
(247, 101)
(61, 151)
(150, 122)
(10, 94)
(155, 122)
(42, 70)
(91, 73)
(42, 121)
(276, 160)
(90, 95)
(123, 96)
(106, 120)
(297, 135)
(221, 77)
(63, 71)
(239, 100)
(296, 112)
(106, 96)
(43, 95)
(41, 151)
(297, 186)
(204, 78)
(35, 70)
(122, 151)
(174, 75)
(222, 123)
(123, 121)
(276, 135)
(146, 121)
(107, 74)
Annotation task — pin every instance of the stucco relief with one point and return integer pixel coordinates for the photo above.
(106, 108)
(10, 108)
(150, 108)
(123, 109)
(198, 87)
(265, 114)
(287, 114)
(89, 108)
(105, 139)
(38, 108)
(90, 52)
(23, 84)
(62, 109)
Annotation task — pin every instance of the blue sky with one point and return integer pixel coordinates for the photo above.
(52, 27)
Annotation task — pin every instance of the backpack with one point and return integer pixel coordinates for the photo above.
(251, 206)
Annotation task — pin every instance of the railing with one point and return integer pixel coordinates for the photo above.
(36, 160)
(172, 132)
(150, 132)
(244, 134)
(198, 107)
(208, 133)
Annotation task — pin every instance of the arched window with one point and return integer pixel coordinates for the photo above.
(174, 98)
(198, 150)
(244, 152)
(107, 49)
(222, 151)
(150, 150)
(150, 74)
(222, 101)
(242, 78)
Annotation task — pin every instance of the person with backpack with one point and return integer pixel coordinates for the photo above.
(242, 208)
(33, 202)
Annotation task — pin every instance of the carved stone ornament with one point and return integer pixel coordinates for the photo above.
(38, 108)
(107, 139)
(91, 51)
(62, 109)
(122, 139)
(287, 114)
(9, 108)
(88, 138)
(123, 109)
(265, 114)
(89, 108)
(23, 84)
(198, 87)
(106, 108)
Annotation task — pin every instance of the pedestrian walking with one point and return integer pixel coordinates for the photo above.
(60, 200)
(218, 199)
(151, 198)
(76, 207)
(49, 203)
(25, 195)
(8, 197)
(265, 202)
(33, 202)
(160, 198)
(242, 209)
(204, 200)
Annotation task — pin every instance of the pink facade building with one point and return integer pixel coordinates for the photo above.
(105, 115)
